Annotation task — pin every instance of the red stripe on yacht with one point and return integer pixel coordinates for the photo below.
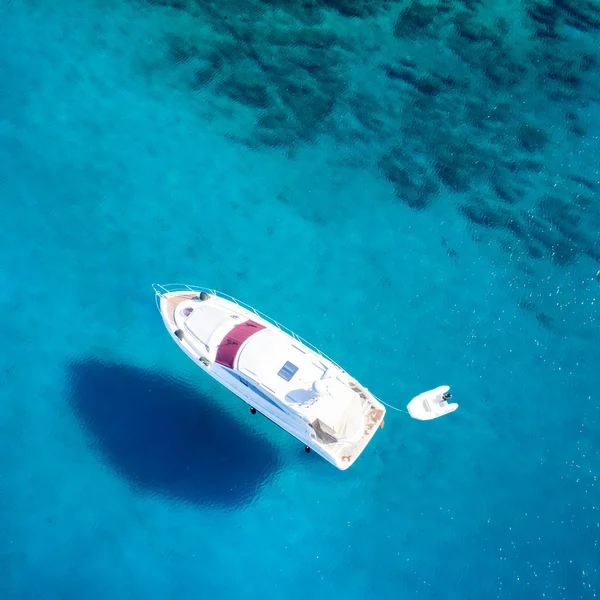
(231, 343)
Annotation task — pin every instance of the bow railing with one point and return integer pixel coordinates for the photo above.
(161, 290)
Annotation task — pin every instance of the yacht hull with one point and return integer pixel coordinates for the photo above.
(340, 455)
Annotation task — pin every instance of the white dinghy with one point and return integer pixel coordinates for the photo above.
(432, 404)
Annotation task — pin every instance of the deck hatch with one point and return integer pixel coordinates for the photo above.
(287, 371)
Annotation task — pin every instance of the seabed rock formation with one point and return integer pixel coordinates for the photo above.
(437, 96)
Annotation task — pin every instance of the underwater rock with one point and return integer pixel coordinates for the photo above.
(480, 214)
(562, 216)
(484, 116)
(470, 5)
(273, 138)
(275, 129)
(504, 188)
(354, 8)
(180, 49)
(458, 164)
(473, 32)
(526, 305)
(588, 183)
(424, 85)
(451, 174)
(347, 8)
(533, 251)
(274, 119)
(555, 246)
(464, 110)
(588, 61)
(502, 70)
(577, 129)
(320, 65)
(531, 138)
(485, 50)
(231, 53)
(544, 319)
(563, 253)
(565, 74)
(312, 37)
(320, 39)
(415, 19)
(513, 225)
(412, 181)
(366, 110)
(202, 77)
(248, 91)
(543, 12)
(449, 82)
(309, 104)
(583, 15)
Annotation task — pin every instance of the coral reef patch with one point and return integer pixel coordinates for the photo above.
(437, 97)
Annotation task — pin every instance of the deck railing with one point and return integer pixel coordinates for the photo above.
(178, 287)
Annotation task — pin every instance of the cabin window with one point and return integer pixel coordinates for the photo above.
(287, 371)
(257, 390)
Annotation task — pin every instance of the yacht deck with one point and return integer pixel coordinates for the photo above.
(172, 302)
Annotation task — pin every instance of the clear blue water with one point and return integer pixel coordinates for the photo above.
(414, 188)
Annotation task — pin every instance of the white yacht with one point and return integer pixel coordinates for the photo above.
(273, 370)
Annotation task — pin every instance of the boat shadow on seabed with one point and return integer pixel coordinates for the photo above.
(166, 438)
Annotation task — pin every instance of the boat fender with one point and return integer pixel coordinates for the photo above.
(179, 334)
(204, 296)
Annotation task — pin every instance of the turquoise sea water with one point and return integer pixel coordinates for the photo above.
(413, 187)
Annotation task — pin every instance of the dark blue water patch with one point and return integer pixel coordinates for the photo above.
(167, 438)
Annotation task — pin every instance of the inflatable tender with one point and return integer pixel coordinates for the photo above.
(432, 404)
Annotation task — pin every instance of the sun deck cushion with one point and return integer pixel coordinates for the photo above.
(206, 319)
(232, 342)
